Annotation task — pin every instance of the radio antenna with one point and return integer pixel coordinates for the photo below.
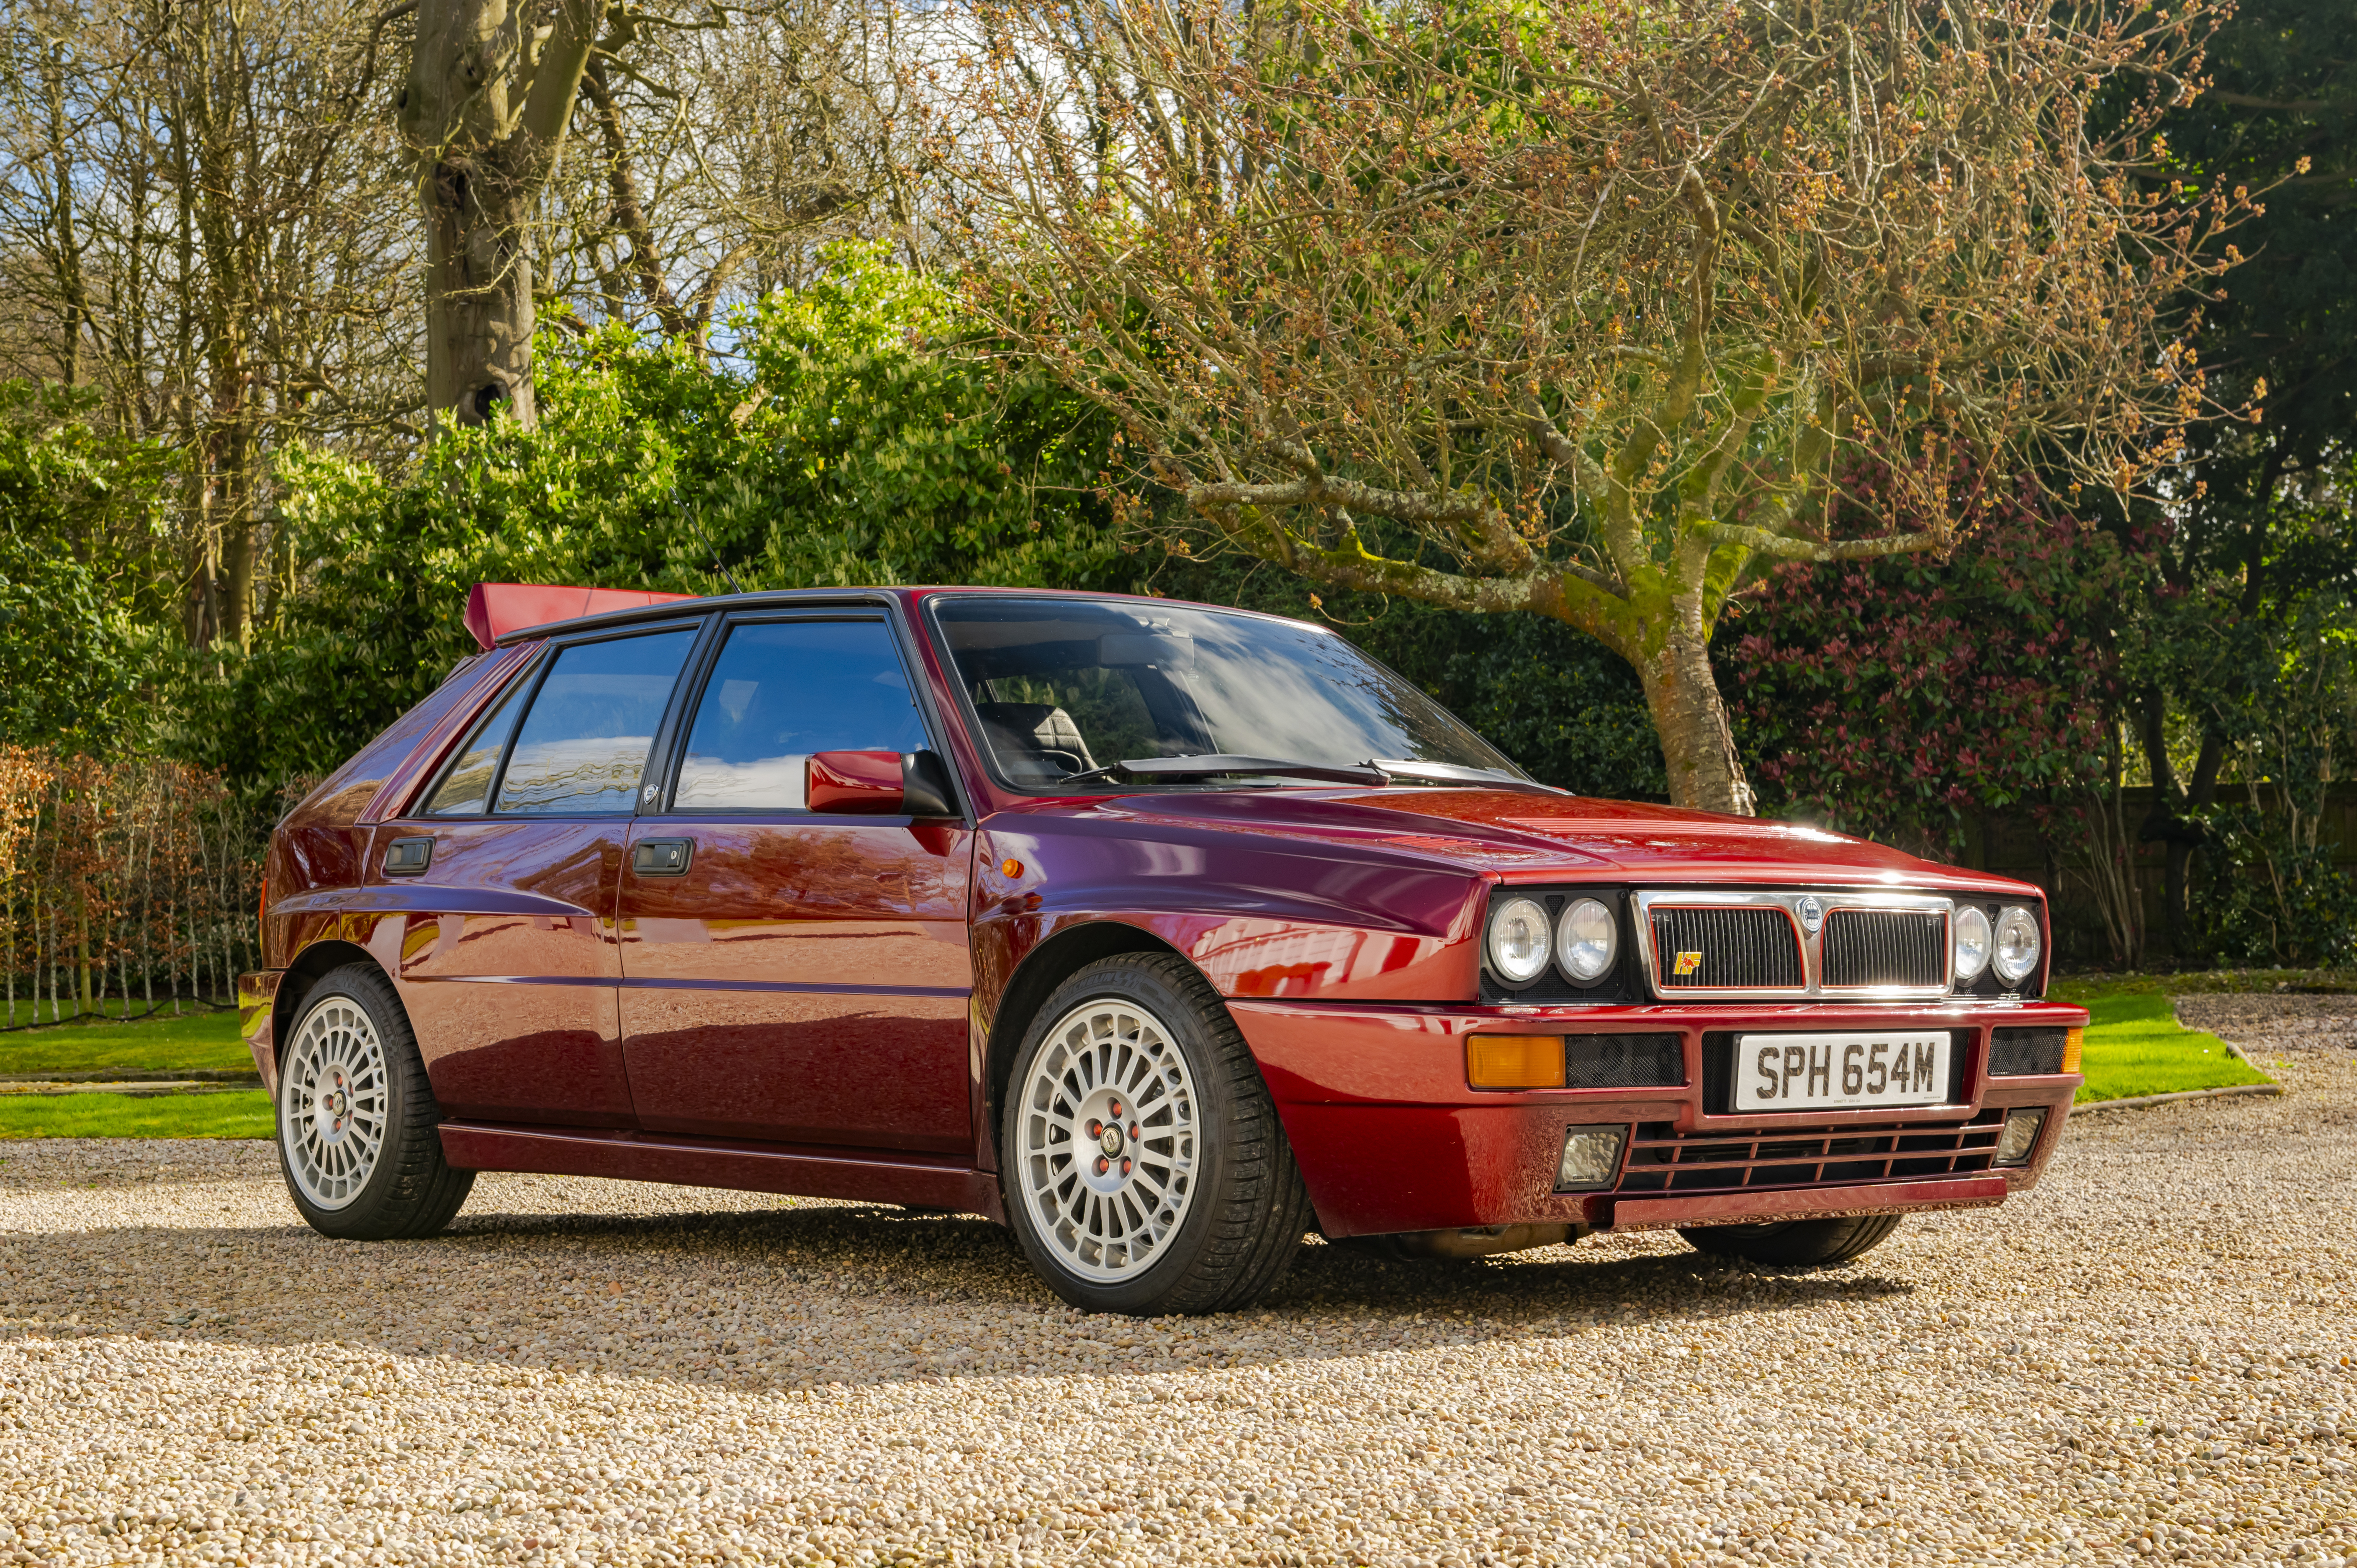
(678, 505)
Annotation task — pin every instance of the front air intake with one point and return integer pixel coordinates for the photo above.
(1707, 948)
(1869, 948)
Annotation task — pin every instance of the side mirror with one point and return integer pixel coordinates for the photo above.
(925, 786)
(877, 784)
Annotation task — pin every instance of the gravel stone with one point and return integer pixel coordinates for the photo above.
(2148, 1360)
(2275, 1023)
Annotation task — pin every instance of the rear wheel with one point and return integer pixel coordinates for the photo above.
(1144, 1168)
(1797, 1242)
(359, 1135)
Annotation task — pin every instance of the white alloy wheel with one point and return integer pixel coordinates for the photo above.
(1107, 1139)
(333, 1105)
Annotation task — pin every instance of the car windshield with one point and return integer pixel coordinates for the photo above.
(1062, 687)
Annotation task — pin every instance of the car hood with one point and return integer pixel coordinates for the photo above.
(1524, 836)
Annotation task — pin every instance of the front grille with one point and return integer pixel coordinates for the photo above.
(1623, 1061)
(2018, 1053)
(1662, 1159)
(1886, 947)
(1729, 949)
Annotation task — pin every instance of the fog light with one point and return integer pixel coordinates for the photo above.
(1514, 1061)
(1590, 1155)
(2019, 1137)
(2074, 1041)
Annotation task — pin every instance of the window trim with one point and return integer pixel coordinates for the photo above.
(534, 676)
(673, 741)
(454, 744)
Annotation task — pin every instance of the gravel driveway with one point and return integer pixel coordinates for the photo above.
(2150, 1357)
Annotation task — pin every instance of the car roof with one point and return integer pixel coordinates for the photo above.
(784, 597)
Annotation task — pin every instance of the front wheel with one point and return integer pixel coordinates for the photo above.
(359, 1139)
(1798, 1242)
(1144, 1168)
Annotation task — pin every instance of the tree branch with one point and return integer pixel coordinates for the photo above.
(563, 59)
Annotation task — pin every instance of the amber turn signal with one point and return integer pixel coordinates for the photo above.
(1010, 868)
(1514, 1061)
(2073, 1039)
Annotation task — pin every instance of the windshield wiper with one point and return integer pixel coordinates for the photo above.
(1459, 773)
(1220, 765)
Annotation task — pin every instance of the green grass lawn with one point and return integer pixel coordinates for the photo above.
(2134, 1046)
(2078, 988)
(167, 1044)
(241, 1113)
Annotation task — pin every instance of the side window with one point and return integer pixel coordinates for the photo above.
(583, 746)
(467, 788)
(782, 691)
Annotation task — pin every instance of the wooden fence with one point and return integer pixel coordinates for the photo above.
(2056, 857)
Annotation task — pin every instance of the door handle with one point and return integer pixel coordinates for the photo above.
(408, 857)
(661, 857)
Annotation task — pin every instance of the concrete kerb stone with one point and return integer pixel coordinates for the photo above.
(2138, 1101)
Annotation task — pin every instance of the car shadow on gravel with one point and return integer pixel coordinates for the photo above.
(1566, 1281)
(775, 1299)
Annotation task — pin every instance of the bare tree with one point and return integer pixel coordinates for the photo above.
(200, 222)
(709, 162)
(1585, 312)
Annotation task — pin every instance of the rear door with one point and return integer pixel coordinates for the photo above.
(510, 971)
(792, 976)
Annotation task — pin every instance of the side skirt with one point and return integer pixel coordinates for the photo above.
(683, 1161)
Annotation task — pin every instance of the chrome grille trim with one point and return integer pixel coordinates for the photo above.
(1747, 980)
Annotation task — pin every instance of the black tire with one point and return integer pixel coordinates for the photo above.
(1795, 1244)
(408, 1189)
(1247, 1210)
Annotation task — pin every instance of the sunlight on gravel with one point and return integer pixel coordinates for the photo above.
(2148, 1359)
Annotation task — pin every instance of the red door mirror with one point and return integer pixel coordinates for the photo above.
(854, 783)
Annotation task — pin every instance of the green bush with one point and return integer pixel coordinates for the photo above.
(78, 530)
(847, 442)
(2259, 896)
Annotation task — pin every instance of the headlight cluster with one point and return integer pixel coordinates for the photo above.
(2012, 944)
(1584, 942)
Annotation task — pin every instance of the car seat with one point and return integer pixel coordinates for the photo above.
(1034, 741)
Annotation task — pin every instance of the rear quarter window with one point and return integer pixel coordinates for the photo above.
(583, 744)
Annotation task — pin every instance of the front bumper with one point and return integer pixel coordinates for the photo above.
(1390, 1138)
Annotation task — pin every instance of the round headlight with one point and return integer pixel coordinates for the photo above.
(2017, 944)
(1586, 939)
(1972, 944)
(1518, 941)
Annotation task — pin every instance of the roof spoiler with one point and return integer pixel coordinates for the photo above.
(495, 610)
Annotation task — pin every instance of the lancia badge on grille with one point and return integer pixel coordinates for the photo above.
(1687, 963)
(1812, 915)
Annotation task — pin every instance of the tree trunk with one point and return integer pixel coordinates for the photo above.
(1690, 717)
(479, 313)
(484, 113)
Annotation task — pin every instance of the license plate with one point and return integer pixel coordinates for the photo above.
(1828, 1072)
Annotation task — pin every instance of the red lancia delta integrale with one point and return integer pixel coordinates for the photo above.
(1159, 933)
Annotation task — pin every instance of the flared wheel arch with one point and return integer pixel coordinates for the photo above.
(1043, 969)
(312, 965)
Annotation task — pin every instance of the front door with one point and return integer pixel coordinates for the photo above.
(792, 977)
